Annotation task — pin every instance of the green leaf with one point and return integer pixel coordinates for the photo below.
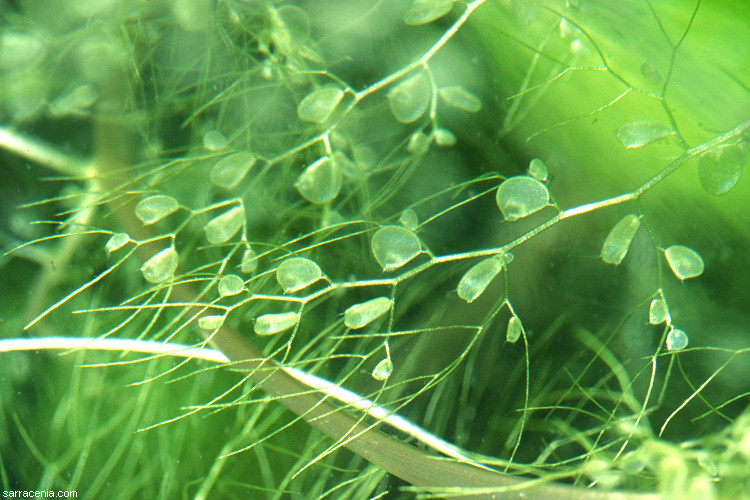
(361, 315)
(720, 168)
(271, 324)
(639, 133)
(394, 246)
(320, 182)
(290, 27)
(685, 262)
(426, 11)
(154, 208)
(230, 170)
(210, 323)
(20, 49)
(297, 273)
(458, 97)
(658, 312)
(538, 170)
(221, 228)
(347, 166)
(231, 284)
(409, 99)
(213, 140)
(161, 266)
(383, 370)
(520, 196)
(476, 280)
(618, 241)
(75, 102)
(677, 340)
(364, 156)
(651, 73)
(515, 329)
(409, 219)
(418, 143)
(444, 137)
(249, 261)
(318, 105)
(116, 241)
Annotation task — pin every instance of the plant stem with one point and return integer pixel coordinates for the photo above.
(34, 150)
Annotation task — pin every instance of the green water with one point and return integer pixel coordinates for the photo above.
(522, 226)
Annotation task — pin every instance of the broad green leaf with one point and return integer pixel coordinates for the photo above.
(444, 137)
(161, 266)
(538, 170)
(515, 329)
(383, 370)
(418, 143)
(458, 97)
(685, 262)
(222, 227)
(249, 262)
(658, 312)
(677, 340)
(297, 273)
(720, 168)
(394, 246)
(155, 208)
(270, 324)
(231, 284)
(410, 98)
(409, 219)
(651, 73)
(75, 102)
(290, 27)
(426, 11)
(320, 182)
(361, 315)
(212, 322)
(310, 54)
(637, 134)
(20, 49)
(364, 156)
(213, 140)
(346, 166)
(476, 280)
(318, 105)
(230, 170)
(618, 241)
(520, 196)
(116, 241)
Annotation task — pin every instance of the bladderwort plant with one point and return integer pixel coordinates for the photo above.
(375, 249)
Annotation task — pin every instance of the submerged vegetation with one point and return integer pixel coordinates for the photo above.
(373, 249)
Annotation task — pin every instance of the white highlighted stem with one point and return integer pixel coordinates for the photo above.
(110, 344)
(42, 153)
(330, 389)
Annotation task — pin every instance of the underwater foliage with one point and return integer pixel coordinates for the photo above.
(299, 249)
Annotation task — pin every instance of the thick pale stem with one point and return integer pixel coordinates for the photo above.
(39, 152)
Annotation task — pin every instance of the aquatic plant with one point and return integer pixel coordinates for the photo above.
(325, 249)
